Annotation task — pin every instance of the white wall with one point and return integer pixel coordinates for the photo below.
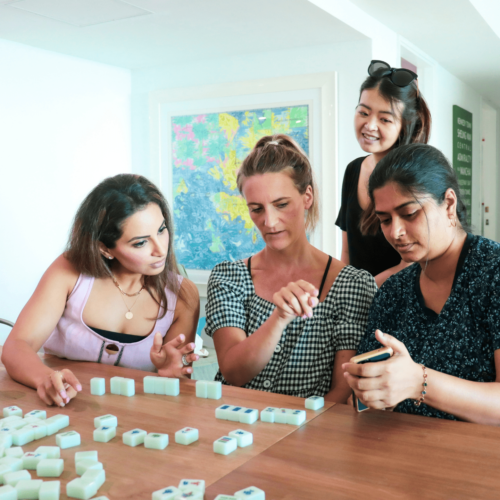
(65, 125)
(384, 41)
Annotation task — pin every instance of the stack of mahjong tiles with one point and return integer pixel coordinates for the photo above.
(18, 431)
(92, 476)
(194, 489)
(157, 440)
(251, 492)
(208, 390)
(161, 385)
(237, 414)
(105, 428)
(118, 385)
(188, 488)
(237, 438)
(283, 416)
(15, 464)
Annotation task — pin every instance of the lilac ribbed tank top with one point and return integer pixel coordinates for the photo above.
(73, 339)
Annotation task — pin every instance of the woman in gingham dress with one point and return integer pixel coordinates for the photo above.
(285, 319)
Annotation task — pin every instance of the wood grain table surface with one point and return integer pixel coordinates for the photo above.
(134, 473)
(343, 454)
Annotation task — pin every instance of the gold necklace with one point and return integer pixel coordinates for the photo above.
(125, 293)
(129, 314)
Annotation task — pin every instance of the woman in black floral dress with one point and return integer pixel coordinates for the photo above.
(441, 315)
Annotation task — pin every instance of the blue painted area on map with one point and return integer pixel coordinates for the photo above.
(203, 236)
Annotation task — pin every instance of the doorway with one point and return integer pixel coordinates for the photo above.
(489, 167)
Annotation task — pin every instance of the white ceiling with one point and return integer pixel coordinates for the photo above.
(175, 31)
(161, 32)
(450, 31)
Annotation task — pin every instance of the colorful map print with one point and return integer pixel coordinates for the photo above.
(212, 223)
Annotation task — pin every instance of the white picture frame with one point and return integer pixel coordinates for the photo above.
(318, 90)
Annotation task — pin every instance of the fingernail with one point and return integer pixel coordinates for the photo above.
(61, 405)
(63, 394)
(78, 387)
(182, 336)
(343, 366)
(381, 333)
(304, 317)
(316, 292)
(309, 314)
(189, 370)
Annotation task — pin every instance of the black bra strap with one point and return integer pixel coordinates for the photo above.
(324, 276)
(249, 266)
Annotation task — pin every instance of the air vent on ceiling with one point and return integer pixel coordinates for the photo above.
(80, 12)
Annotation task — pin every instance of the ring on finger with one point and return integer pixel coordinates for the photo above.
(185, 362)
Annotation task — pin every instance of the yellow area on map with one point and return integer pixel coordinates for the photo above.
(215, 173)
(281, 126)
(251, 138)
(234, 206)
(229, 166)
(229, 124)
(181, 188)
(247, 118)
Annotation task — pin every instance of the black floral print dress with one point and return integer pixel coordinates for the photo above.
(462, 339)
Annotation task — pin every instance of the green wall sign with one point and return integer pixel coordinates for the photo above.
(462, 154)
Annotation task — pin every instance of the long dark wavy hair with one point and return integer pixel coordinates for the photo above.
(100, 219)
(416, 124)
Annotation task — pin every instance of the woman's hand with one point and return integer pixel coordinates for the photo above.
(296, 299)
(59, 388)
(167, 358)
(386, 383)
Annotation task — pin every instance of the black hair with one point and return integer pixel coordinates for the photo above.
(419, 169)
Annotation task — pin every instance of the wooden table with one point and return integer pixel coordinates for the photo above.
(134, 473)
(343, 454)
(337, 454)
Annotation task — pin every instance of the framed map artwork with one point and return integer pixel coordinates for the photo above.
(212, 222)
(198, 138)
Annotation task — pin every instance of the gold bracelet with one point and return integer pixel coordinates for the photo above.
(424, 391)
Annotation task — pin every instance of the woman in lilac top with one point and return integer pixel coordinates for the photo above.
(114, 297)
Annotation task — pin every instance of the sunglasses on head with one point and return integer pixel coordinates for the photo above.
(399, 76)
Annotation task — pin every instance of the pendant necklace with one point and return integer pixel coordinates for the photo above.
(129, 314)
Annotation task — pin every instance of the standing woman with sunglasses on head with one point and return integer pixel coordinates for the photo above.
(391, 112)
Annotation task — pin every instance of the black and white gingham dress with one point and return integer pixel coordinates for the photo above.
(302, 362)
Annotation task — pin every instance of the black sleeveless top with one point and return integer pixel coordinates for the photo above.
(372, 253)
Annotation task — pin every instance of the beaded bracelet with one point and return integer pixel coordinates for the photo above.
(424, 391)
